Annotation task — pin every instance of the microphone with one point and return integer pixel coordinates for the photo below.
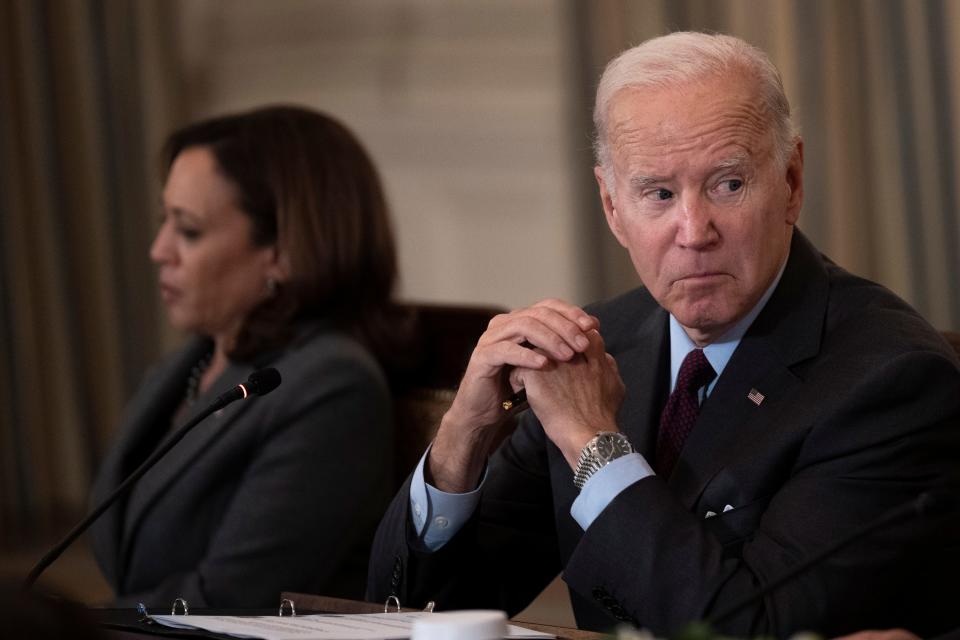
(924, 505)
(259, 383)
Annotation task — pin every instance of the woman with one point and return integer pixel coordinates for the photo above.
(274, 249)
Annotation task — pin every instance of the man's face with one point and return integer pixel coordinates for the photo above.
(699, 199)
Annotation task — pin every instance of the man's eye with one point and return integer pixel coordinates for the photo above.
(734, 185)
(663, 194)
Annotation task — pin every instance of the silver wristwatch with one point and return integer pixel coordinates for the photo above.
(601, 450)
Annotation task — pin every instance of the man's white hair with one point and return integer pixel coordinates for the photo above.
(688, 56)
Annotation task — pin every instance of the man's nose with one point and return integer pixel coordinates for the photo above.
(696, 229)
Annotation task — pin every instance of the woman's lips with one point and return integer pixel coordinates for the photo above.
(168, 293)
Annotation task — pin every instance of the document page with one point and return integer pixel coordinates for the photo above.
(365, 626)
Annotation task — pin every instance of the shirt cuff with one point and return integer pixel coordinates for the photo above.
(438, 515)
(606, 484)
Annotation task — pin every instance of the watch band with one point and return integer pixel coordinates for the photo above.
(591, 460)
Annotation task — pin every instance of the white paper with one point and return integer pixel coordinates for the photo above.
(361, 626)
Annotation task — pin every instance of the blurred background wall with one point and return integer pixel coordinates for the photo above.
(478, 116)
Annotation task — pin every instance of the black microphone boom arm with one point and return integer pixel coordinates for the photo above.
(259, 383)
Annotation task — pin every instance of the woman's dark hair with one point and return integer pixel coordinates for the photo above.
(311, 189)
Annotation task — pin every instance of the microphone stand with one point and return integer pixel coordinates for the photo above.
(56, 551)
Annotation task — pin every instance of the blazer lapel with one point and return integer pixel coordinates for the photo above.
(145, 412)
(729, 419)
(198, 441)
(785, 333)
(643, 367)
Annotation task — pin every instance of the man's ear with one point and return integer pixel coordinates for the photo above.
(794, 181)
(609, 208)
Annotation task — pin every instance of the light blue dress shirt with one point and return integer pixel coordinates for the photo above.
(437, 515)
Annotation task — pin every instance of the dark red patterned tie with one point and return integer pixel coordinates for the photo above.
(683, 407)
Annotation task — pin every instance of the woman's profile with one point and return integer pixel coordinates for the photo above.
(274, 249)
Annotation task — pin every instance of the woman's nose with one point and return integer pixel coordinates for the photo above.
(161, 251)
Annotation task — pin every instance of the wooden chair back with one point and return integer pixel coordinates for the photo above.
(442, 340)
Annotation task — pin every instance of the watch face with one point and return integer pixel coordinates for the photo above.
(602, 449)
(606, 446)
(612, 445)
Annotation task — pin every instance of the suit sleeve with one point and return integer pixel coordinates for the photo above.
(891, 434)
(512, 527)
(311, 493)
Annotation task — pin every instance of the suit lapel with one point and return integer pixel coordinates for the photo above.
(729, 419)
(145, 413)
(198, 441)
(642, 366)
(785, 333)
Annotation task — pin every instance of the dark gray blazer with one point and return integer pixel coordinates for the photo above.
(280, 492)
(860, 413)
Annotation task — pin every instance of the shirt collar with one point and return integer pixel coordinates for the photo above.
(718, 353)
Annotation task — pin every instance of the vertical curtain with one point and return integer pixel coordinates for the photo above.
(78, 312)
(875, 86)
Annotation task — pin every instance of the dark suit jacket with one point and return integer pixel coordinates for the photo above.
(254, 500)
(860, 413)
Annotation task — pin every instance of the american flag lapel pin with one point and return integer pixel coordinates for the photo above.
(755, 397)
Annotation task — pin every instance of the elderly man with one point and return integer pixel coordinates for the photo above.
(692, 440)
